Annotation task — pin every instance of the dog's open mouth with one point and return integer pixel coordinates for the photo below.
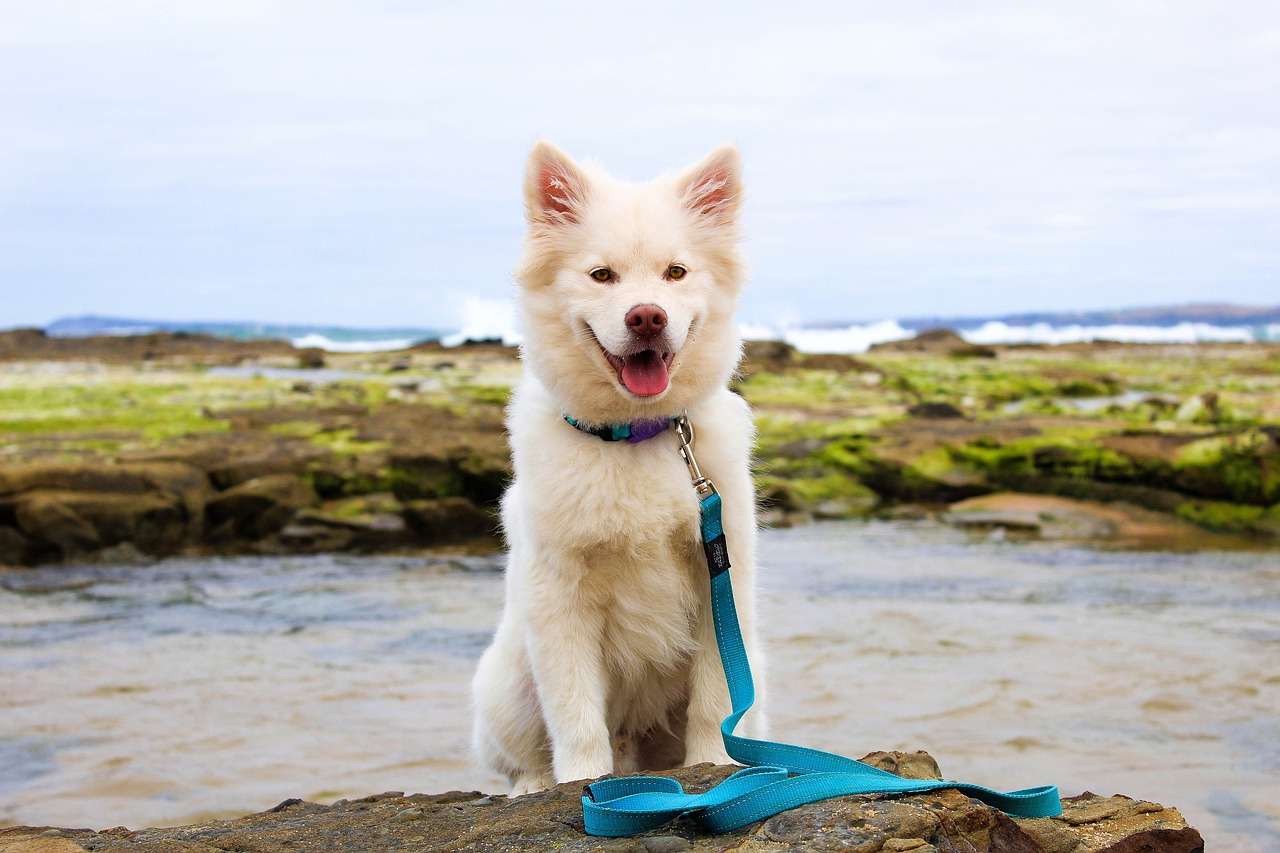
(643, 373)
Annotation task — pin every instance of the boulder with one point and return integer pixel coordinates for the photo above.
(63, 524)
(45, 519)
(15, 549)
(937, 821)
(784, 501)
(779, 357)
(936, 342)
(1050, 517)
(767, 356)
(449, 520)
(477, 467)
(133, 478)
(291, 457)
(934, 410)
(257, 508)
(67, 510)
(366, 523)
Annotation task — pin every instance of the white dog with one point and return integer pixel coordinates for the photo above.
(605, 660)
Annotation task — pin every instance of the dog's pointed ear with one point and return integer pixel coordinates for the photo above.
(713, 188)
(555, 189)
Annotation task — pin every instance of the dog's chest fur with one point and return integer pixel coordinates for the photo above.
(617, 524)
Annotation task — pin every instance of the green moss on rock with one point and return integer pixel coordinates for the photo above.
(829, 496)
(1242, 467)
(1221, 515)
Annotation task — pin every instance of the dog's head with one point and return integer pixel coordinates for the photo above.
(628, 292)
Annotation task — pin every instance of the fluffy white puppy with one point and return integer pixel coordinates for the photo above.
(605, 659)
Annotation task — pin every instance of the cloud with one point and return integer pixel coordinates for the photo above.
(238, 158)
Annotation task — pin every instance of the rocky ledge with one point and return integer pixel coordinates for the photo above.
(552, 820)
(122, 450)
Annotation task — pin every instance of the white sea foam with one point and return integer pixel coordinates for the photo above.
(997, 332)
(757, 332)
(486, 319)
(371, 345)
(859, 338)
(850, 339)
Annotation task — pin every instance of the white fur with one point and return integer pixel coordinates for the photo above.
(605, 659)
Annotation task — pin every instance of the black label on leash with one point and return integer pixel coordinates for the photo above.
(717, 555)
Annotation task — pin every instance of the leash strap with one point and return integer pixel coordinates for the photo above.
(778, 776)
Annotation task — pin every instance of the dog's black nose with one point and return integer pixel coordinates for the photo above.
(647, 321)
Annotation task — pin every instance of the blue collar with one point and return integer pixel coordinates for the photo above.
(632, 433)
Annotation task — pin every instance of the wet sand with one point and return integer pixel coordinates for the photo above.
(157, 695)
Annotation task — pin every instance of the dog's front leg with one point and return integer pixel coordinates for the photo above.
(708, 698)
(564, 642)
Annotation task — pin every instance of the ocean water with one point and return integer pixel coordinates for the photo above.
(197, 688)
(495, 319)
(859, 337)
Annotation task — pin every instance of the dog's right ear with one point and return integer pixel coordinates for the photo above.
(555, 189)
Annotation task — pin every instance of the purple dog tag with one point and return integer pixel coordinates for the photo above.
(643, 430)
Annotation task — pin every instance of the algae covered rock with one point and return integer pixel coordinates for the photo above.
(1059, 518)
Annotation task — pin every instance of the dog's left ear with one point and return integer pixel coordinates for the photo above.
(555, 189)
(713, 188)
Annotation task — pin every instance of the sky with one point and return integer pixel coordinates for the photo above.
(360, 163)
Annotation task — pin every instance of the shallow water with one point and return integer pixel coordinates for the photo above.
(190, 689)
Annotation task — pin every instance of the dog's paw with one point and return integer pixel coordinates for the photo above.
(710, 755)
(531, 784)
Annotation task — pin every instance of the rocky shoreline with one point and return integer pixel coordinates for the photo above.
(552, 820)
(127, 449)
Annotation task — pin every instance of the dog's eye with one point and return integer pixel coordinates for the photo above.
(602, 274)
(675, 272)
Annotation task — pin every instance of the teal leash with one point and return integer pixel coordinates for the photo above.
(777, 776)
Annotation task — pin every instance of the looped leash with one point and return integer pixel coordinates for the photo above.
(778, 776)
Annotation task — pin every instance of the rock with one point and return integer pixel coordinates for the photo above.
(449, 520)
(1242, 466)
(552, 820)
(944, 342)
(476, 466)
(1049, 517)
(838, 363)
(306, 537)
(779, 357)
(767, 357)
(168, 481)
(311, 358)
(292, 458)
(367, 523)
(257, 508)
(1149, 445)
(15, 549)
(785, 501)
(181, 347)
(424, 473)
(45, 518)
(908, 765)
(120, 554)
(72, 524)
(934, 410)
(1268, 523)
(666, 844)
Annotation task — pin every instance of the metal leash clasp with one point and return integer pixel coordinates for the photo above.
(684, 431)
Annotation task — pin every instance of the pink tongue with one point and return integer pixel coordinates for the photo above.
(645, 373)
